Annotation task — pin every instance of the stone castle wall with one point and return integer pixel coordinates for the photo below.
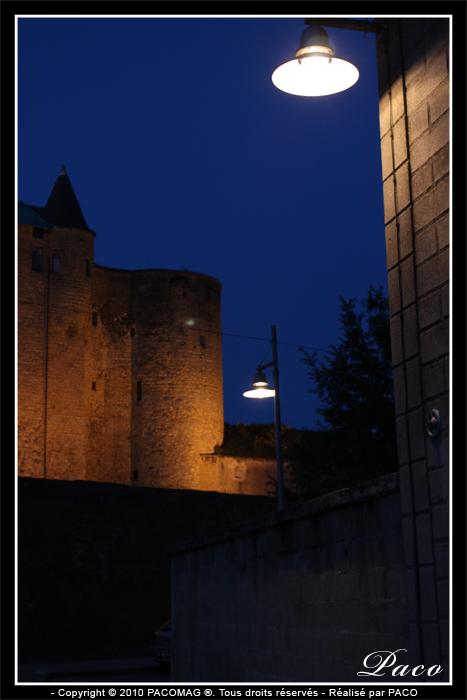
(119, 372)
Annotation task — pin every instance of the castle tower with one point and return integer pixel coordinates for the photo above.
(119, 372)
(55, 255)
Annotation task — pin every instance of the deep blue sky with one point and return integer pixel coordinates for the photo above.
(182, 153)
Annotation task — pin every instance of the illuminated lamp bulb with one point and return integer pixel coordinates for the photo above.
(260, 388)
(315, 71)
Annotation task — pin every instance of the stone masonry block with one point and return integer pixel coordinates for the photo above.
(442, 558)
(445, 302)
(442, 228)
(431, 205)
(413, 29)
(433, 380)
(440, 522)
(431, 646)
(411, 588)
(408, 281)
(426, 82)
(410, 331)
(402, 445)
(408, 541)
(424, 539)
(436, 39)
(428, 593)
(443, 597)
(429, 310)
(400, 142)
(384, 114)
(399, 390)
(430, 143)
(394, 292)
(402, 187)
(422, 179)
(394, 58)
(417, 434)
(405, 233)
(437, 492)
(414, 392)
(441, 163)
(438, 103)
(425, 243)
(396, 340)
(389, 200)
(405, 490)
(434, 342)
(387, 165)
(414, 644)
(391, 245)
(414, 58)
(418, 122)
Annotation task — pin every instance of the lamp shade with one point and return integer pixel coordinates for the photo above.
(315, 71)
(260, 388)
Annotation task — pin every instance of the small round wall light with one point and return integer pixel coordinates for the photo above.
(315, 71)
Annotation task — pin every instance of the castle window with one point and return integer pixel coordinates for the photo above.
(135, 474)
(94, 318)
(138, 391)
(88, 267)
(132, 332)
(202, 341)
(37, 233)
(55, 262)
(94, 386)
(37, 264)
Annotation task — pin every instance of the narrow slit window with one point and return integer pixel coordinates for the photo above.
(138, 391)
(94, 386)
(88, 267)
(94, 318)
(135, 474)
(37, 259)
(55, 262)
(202, 341)
(132, 332)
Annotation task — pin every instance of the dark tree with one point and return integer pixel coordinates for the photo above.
(354, 383)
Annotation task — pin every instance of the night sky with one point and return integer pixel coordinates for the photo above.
(183, 154)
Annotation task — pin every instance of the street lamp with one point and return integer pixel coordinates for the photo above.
(315, 71)
(261, 390)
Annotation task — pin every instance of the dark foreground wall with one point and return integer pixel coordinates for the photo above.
(94, 575)
(302, 598)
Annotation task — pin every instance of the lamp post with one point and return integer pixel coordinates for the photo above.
(261, 390)
(315, 70)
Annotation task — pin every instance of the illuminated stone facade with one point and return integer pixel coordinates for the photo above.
(119, 372)
(413, 76)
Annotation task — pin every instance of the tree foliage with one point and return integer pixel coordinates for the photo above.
(354, 384)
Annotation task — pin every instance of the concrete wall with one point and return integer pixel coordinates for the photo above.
(304, 598)
(93, 570)
(413, 75)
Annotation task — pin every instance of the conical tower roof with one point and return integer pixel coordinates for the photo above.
(62, 208)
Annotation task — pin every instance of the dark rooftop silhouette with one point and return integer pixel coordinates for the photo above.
(62, 208)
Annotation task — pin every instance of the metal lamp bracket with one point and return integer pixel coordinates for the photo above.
(433, 424)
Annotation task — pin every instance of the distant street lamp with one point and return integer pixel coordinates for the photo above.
(315, 71)
(261, 390)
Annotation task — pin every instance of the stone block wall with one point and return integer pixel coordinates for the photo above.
(53, 313)
(302, 598)
(413, 75)
(93, 566)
